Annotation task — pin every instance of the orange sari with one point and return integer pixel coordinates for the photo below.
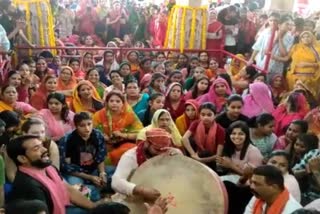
(126, 122)
(62, 86)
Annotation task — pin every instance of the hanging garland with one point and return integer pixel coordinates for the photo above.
(180, 34)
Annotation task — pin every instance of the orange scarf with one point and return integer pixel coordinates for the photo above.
(4, 106)
(61, 86)
(206, 142)
(276, 207)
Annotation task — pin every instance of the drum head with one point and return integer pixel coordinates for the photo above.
(191, 187)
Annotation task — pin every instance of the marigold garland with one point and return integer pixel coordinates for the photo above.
(177, 23)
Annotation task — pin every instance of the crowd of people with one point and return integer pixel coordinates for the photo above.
(75, 124)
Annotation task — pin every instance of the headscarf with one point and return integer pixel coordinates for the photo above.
(76, 101)
(176, 137)
(236, 68)
(258, 101)
(61, 86)
(212, 96)
(183, 122)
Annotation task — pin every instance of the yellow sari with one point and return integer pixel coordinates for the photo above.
(76, 104)
(175, 134)
(309, 76)
(126, 122)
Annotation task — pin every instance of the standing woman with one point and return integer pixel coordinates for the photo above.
(215, 34)
(119, 124)
(48, 85)
(67, 81)
(238, 152)
(9, 101)
(57, 116)
(85, 98)
(93, 77)
(138, 101)
(305, 63)
(175, 103)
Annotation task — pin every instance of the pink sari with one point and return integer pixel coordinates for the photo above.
(56, 129)
(211, 96)
(258, 101)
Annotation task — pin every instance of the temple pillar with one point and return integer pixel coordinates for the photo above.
(187, 25)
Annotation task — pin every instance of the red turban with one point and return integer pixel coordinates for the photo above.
(158, 137)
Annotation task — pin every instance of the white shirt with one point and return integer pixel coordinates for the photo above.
(126, 167)
(290, 207)
(4, 41)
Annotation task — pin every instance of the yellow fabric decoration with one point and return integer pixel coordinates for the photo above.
(204, 29)
(186, 25)
(193, 29)
(39, 12)
(183, 32)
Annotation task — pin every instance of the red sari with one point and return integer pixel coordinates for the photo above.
(216, 27)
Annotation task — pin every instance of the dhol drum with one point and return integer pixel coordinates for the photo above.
(189, 186)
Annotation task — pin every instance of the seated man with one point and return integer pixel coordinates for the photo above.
(82, 155)
(308, 177)
(270, 195)
(36, 179)
(157, 142)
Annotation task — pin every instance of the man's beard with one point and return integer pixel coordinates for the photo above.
(41, 164)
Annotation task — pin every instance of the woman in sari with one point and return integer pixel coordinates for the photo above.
(305, 63)
(87, 62)
(138, 101)
(66, 82)
(218, 94)
(75, 65)
(48, 85)
(278, 89)
(190, 114)
(145, 68)
(313, 119)
(57, 116)
(42, 68)
(8, 101)
(14, 78)
(133, 60)
(295, 108)
(236, 66)
(119, 124)
(162, 119)
(215, 34)
(125, 71)
(85, 98)
(93, 77)
(175, 103)
(258, 101)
